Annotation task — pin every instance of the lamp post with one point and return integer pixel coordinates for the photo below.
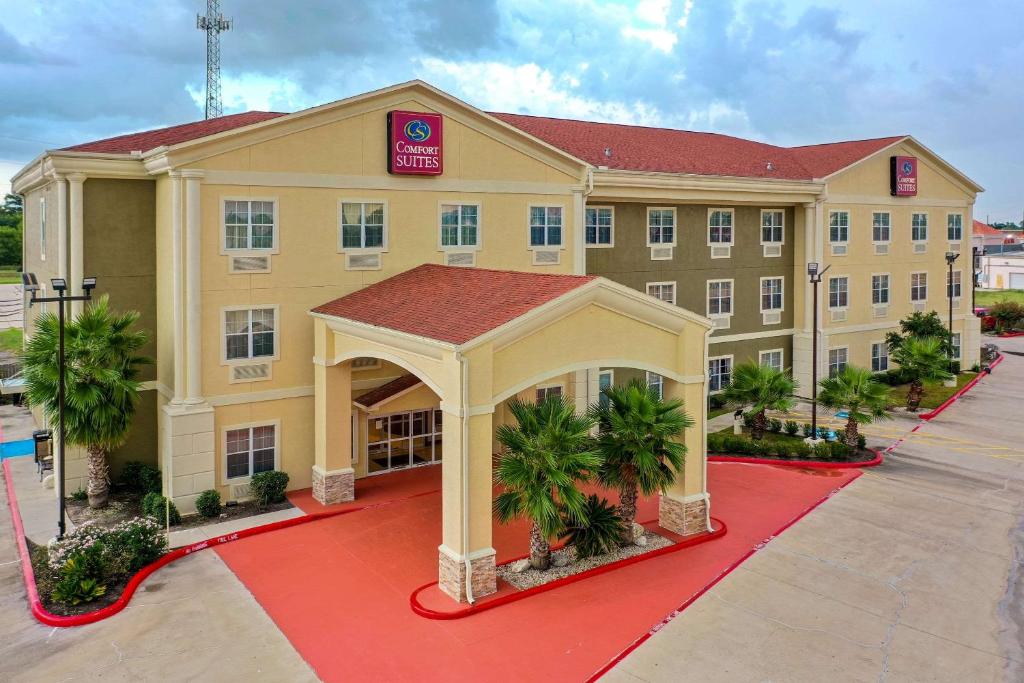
(951, 258)
(60, 285)
(815, 275)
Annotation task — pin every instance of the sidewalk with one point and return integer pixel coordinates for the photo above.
(36, 503)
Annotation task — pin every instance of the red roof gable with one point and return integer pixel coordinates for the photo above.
(824, 160)
(172, 135)
(388, 390)
(448, 303)
(986, 229)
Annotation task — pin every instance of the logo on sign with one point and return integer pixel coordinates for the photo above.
(903, 176)
(415, 143)
(417, 131)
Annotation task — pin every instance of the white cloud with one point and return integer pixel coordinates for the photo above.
(658, 38)
(652, 16)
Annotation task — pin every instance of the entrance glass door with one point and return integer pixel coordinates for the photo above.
(401, 440)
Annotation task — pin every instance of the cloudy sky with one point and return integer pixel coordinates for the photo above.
(784, 71)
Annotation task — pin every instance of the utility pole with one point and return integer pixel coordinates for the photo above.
(214, 24)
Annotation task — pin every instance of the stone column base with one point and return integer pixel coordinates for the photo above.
(683, 516)
(451, 574)
(335, 486)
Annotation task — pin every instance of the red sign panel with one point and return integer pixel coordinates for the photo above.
(903, 176)
(415, 143)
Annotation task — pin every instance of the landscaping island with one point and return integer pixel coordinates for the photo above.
(779, 446)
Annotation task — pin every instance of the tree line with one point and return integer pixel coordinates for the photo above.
(11, 230)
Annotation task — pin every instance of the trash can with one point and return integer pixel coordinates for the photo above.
(43, 439)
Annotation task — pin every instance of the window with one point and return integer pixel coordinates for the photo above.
(720, 226)
(953, 284)
(656, 382)
(605, 381)
(546, 392)
(545, 226)
(880, 289)
(249, 333)
(879, 357)
(918, 286)
(839, 226)
(955, 342)
(719, 373)
(250, 450)
(460, 225)
(771, 359)
(881, 228)
(955, 227)
(666, 291)
(919, 227)
(837, 361)
(661, 227)
(42, 228)
(838, 292)
(719, 297)
(248, 224)
(771, 227)
(600, 220)
(771, 294)
(362, 225)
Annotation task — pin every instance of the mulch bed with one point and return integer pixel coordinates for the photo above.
(246, 509)
(42, 571)
(125, 505)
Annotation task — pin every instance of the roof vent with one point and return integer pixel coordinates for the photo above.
(608, 152)
(771, 166)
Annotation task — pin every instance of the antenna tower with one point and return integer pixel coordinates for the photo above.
(214, 24)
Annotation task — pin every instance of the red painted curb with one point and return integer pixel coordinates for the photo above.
(1012, 334)
(428, 613)
(963, 390)
(802, 464)
(44, 616)
(725, 572)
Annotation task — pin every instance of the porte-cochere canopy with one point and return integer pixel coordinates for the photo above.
(477, 337)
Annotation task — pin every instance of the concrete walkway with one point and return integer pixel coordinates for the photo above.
(911, 573)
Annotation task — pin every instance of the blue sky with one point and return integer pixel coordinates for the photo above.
(784, 71)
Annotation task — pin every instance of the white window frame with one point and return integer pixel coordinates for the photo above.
(42, 228)
(919, 240)
(837, 212)
(888, 227)
(276, 424)
(545, 388)
(912, 274)
(828, 292)
(885, 348)
(224, 360)
(958, 281)
(782, 294)
(441, 246)
(846, 358)
(383, 248)
(888, 289)
(956, 341)
(675, 226)
(732, 366)
(782, 357)
(659, 383)
(732, 227)
(611, 228)
(732, 298)
(782, 227)
(611, 383)
(228, 251)
(529, 227)
(666, 283)
(959, 215)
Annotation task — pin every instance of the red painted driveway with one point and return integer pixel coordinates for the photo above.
(339, 588)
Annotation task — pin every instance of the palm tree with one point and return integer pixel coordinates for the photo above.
(545, 456)
(858, 392)
(102, 389)
(922, 359)
(762, 388)
(638, 438)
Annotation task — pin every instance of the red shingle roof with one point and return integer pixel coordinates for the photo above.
(826, 159)
(986, 229)
(386, 391)
(448, 303)
(172, 135)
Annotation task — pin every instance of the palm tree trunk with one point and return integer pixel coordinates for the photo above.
(98, 485)
(914, 395)
(540, 549)
(760, 425)
(627, 509)
(851, 433)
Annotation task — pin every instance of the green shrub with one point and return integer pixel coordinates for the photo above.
(774, 425)
(715, 443)
(862, 442)
(838, 450)
(808, 431)
(208, 503)
(779, 449)
(156, 506)
(601, 531)
(80, 495)
(74, 585)
(268, 488)
(748, 420)
(791, 427)
(141, 478)
(716, 402)
(976, 368)
(954, 367)
(800, 450)
(821, 450)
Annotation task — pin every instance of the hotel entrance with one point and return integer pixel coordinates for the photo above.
(399, 440)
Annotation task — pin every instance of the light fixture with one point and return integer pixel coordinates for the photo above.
(88, 283)
(951, 257)
(812, 269)
(59, 284)
(30, 282)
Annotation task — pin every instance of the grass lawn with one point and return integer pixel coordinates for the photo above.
(10, 340)
(769, 436)
(10, 277)
(988, 297)
(715, 412)
(934, 395)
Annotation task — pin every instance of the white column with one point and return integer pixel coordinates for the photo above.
(77, 242)
(193, 258)
(62, 225)
(177, 276)
(808, 258)
(579, 238)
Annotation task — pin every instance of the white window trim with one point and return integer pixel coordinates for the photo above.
(276, 424)
(732, 366)
(927, 286)
(675, 226)
(276, 249)
(479, 225)
(544, 247)
(828, 358)
(610, 373)
(927, 226)
(732, 231)
(955, 213)
(660, 383)
(611, 228)
(888, 289)
(956, 299)
(732, 299)
(871, 351)
(675, 290)
(761, 227)
(873, 240)
(224, 335)
(849, 226)
(366, 250)
(782, 292)
(550, 385)
(782, 356)
(959, 347)
(828, 292)
(42, 228)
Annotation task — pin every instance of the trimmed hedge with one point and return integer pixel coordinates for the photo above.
(268, 488)
(208, 504)
(732, 444)
(156, 506)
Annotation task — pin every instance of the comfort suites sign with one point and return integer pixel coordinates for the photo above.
(415, 143)
(903, 176)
